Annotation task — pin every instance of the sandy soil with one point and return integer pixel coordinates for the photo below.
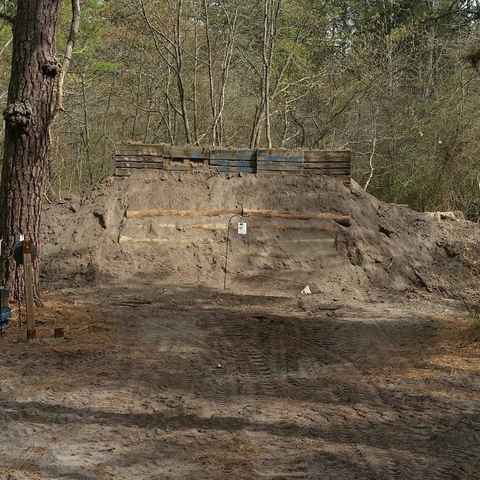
(90, 240)
(375, 376)
(161, 383)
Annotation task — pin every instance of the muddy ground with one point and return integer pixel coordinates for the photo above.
(156, 382)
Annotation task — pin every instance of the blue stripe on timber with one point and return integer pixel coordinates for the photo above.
(192, 156)
(222, 162)
(272, 158)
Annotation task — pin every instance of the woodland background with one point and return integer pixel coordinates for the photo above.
(394, 80)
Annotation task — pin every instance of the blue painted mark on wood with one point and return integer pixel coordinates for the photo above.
(226, 163)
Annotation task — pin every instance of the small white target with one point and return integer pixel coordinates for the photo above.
(242, 228)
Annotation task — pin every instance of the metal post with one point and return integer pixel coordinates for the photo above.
(226, 253)
(28, 272)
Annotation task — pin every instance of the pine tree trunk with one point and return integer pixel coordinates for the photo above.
(34, 68)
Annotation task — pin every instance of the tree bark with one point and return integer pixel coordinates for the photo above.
(34, 68)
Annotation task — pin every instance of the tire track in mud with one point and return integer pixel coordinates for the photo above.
(321, 361)
(153, 357)
(256, 392)
(276, 359)
(408, 420)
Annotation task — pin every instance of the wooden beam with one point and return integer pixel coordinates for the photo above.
(224, 226)
(181, 213)
(340, 219)
(162, 241)
(344, 220)
(29, 303)
(186, 241)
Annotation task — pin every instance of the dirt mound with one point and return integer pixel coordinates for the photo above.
(89, 239)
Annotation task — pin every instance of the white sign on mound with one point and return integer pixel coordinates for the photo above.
(242, 228)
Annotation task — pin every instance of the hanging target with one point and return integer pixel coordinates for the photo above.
(18, 252)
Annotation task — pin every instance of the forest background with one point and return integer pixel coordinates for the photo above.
(396, 81)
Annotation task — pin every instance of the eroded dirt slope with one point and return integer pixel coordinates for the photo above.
(89, 240)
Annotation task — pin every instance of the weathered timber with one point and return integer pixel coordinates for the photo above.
(224, 226)
(193, 153)
(233, 154)
(280, 164)
(233, 169)
(340, 219)
(140, 166)
(328, 165)
(280, 155)
(242, 163)
(181, 213)
(139, 158)
(124, 239)
(279, 168)
(269, 162)
(327, 171)
(313, 155)
(164, 241)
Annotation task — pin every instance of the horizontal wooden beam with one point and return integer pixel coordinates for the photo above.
(181, 213)
(163, 241)
(140, 166)
(187, 241)
(328, 165)
(224, 226)
(261, 167)
(340, 219)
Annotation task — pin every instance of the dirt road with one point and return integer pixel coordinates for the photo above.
(200, 385)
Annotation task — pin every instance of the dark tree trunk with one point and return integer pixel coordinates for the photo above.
(34, 68)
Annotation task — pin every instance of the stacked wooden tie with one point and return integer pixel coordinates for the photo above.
(271, 162)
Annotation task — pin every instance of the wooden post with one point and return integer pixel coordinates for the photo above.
(28, 270)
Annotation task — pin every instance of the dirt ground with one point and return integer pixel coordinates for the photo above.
(156, 382)
(164, 376)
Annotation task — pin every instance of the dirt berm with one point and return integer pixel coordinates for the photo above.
(89, 239)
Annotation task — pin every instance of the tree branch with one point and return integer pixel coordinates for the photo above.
(7, 18)
(75, 25)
